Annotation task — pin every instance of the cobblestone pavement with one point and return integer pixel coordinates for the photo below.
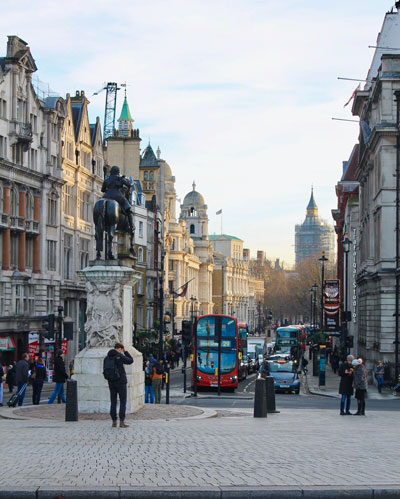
(148, 412)
(294, 448)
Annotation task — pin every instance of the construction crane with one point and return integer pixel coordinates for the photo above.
(111, 104)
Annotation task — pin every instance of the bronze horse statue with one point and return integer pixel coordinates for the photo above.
(109, 218)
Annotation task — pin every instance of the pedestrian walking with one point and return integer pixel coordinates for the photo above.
(115, 374)
(60, 376)
(157, 381)
(148, 386)
(11, 378)
(380, 375)
(38, 377)
(360, 385)
(1, 384)
(335, 361)
(22, 376)
(304, 364)
(346, 385)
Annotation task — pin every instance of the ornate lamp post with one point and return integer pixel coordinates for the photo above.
(346, 248)
(322, 348)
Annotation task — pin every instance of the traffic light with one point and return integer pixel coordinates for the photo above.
(186, 332)
(270, 315)
(68, 330)
(48, 325)
(350, 341)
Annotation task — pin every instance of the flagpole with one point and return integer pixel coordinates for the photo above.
(221, 224)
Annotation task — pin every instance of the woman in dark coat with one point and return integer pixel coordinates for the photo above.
(346, 385)
(360, 385)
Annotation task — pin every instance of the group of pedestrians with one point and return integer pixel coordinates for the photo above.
(353, 380)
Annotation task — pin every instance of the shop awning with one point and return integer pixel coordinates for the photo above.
(6, 344)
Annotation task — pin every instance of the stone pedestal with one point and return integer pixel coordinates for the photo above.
(109, 320)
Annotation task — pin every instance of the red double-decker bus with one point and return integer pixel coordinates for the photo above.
(215, 336)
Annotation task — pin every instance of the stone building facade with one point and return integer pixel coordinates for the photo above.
(231, 277)
(30, 193)
(378, 111)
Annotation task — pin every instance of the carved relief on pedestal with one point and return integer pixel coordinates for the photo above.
(104, 314)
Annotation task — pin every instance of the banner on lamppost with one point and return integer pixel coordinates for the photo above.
(331, 304)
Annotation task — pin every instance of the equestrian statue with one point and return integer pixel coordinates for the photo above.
(113, 212)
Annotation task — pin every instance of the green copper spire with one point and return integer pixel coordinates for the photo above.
(125, 113)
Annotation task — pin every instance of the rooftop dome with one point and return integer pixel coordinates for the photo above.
(194, 198)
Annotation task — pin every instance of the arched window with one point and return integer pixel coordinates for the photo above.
(192, 229)
(13, 202)
(29, 206)
(146, 176)
(140, 255)
(151, 175)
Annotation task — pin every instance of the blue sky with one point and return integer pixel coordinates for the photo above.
(238, 95)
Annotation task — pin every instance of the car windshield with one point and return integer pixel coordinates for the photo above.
(282, 367)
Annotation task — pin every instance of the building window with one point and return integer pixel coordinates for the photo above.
(29, 299)
(3, 147)
(68, 200)
(146, 176)
(87, 160)
(29, 206)
(29, 253)
(50, 299)
(140, 286)
(3, 109)
(140, 229)
(70, 151)
(84, 198)
(171, 287)
(17, 299)
(18, 154)
(170, 265)
(13, 202)
(67, 256)
(192, 230)
(151, 175)
(51, 255)
(140, 255)
(84, 252)
(14, 251)
(52, 209)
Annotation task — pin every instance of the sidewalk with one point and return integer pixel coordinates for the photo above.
(204, 458)
(331, 388)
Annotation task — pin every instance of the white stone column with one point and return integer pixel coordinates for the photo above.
(109, 320)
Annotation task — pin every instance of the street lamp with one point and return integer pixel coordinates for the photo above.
(346, 248)
(322, 348)
(194, 336)
(323, 259)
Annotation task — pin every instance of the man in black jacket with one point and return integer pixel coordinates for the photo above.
(60, 376)
(22, 370)
(119, 387)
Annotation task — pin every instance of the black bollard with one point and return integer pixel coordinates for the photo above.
(270, 393)
(71, 407)
(260, 399)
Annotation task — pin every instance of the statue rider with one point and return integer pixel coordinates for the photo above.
(115, 186)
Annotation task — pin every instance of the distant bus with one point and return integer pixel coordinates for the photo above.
(288, 340)
(211, 331)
